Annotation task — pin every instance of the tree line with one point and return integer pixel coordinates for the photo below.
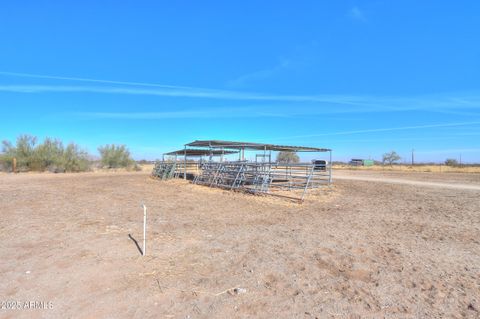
(27, 154)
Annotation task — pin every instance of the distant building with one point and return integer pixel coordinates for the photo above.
(361, 162)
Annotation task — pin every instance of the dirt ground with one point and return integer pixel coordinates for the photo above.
(463, 181)
(421, 168)
(360, 249)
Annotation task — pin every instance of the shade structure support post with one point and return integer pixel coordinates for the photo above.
(330, 168)
(185, 163)
(210, 148)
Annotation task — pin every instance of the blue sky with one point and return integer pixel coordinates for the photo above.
(360, 77)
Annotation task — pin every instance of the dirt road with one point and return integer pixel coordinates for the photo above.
(406, 178)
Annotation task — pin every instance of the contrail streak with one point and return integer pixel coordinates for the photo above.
(385, 129)
(67, 78)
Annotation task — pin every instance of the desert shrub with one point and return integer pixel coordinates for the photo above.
(115, 156)
(5, 163)
(23, 151)
(49, 155)
(75, 159)
(287, 157)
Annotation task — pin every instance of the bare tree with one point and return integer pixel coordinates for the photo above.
(391, 158)
(451, 162)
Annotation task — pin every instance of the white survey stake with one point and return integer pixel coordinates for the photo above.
(144, 251)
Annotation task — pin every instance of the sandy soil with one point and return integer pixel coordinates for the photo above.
(358, 250)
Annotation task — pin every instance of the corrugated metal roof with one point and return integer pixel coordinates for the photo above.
(200, 152)
(254, 146)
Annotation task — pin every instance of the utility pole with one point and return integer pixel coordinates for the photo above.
(460, 159)
(413, 157)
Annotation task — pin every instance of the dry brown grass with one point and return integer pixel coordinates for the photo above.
(146, 167)
(415, 168)
(143, 168)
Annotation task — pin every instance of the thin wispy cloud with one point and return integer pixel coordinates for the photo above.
(389, 129)
(358, 104)
(204, 113)
(178, 92)
(300, 58)
(169, 92)
(409, 139)
(322, 104)
(332, 103)
(450, 151)
(78, 79)
(260, 74)
(357, 14)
